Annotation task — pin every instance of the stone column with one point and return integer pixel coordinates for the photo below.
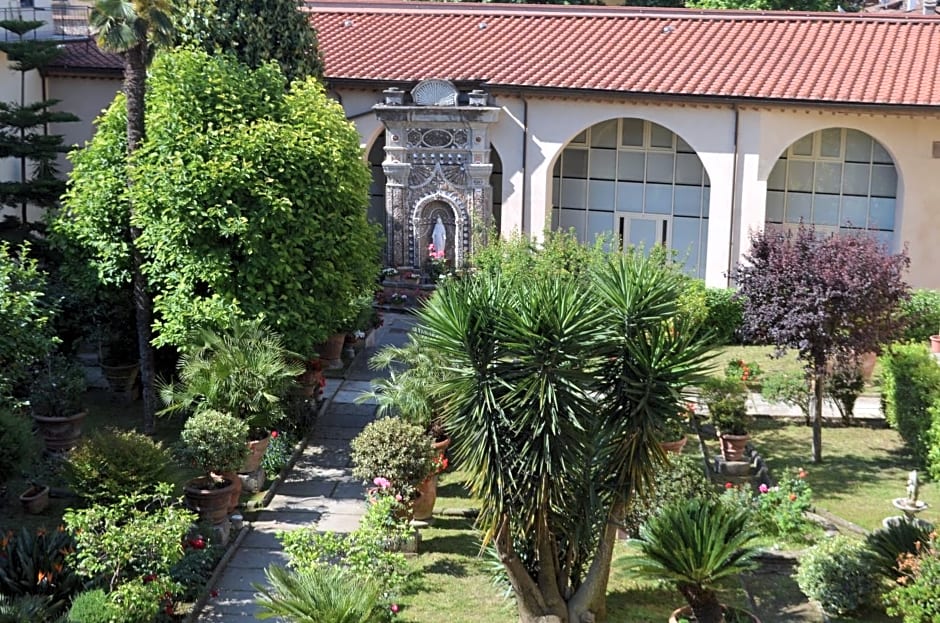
(396, 212)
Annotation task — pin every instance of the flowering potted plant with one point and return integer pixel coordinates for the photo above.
(437, 264)
(215, 443)
(394, 455)
(726, 399)
(55, 398)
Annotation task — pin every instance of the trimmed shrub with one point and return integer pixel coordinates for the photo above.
(725, 314)
(838, 574)
(395, 450)
(111, 464)
(17, 443)
(93, 607)
(910, 387)
(921, 314)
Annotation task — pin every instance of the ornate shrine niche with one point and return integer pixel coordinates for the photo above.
(437, 168)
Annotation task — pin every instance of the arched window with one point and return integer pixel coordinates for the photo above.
(835, 179)
(636, 180)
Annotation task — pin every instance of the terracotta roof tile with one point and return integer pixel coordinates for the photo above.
(832, 57)
(86, 57)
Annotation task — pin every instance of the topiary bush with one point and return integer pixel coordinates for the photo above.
(395, 450)
(111, 464)
(725, 314)
(910, 387)
(93, 606)
(214, 441)
(838, 574)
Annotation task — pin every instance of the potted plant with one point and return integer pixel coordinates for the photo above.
(695, 544)
(55, 398)
(726, 399)
(118, 355)
(935, 343)
(213, 442)
(671, 432)
(35, 499)
(243, 371)
(396, 456)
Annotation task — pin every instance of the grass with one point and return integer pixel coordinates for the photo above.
(863, 469)
(457, 581)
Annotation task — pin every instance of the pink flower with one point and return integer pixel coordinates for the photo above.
(763, 488)
(274, 434)
(381, 483)
(728, 485)
(394, 608)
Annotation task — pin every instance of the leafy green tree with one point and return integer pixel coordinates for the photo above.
(251, 201)
(24, 126)
(135, 29)
(554, 392)
(255, 31)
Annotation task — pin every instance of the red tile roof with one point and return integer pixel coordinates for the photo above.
(815, 57)
(85, 57)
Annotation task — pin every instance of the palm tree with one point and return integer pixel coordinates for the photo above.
(134, 30)
(553, 391)
(695, 544)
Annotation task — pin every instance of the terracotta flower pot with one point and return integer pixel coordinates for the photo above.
(733, 446)
(256, 450)
(60, 433)
(935, 343)
(331, 351)
(686, 613)
(674, 447)
(423, 505)
(209, 500)
(236, 490)
(35, 499)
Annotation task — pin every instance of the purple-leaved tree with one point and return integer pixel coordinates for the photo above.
(830, 297)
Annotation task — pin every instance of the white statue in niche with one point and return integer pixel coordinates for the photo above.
(439, 236)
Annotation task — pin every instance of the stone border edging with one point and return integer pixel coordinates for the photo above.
(216, 575)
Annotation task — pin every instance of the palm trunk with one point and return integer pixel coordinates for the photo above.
(704, 603)
(532, 604)
(135, 77)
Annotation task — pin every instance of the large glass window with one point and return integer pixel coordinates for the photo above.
(835, 179)
(638, 181)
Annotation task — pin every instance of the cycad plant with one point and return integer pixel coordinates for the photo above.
(327, 594)
(243, 371)
(696, 544)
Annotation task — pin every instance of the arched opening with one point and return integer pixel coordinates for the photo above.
(835, 179)
(637, 181)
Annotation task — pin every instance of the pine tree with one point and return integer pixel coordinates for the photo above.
(24, 127)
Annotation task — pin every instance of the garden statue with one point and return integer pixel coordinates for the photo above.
(439, 236)
(912, 488)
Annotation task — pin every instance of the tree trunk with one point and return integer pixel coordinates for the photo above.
(819, 383)
(704, 603)
(135, 82)
(533, 606)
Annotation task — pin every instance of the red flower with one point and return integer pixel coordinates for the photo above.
(274, 434)
(197, 543)
(728, 485)
(793, 497)
(150, 577)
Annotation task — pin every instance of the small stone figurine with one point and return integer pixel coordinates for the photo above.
(912, 487)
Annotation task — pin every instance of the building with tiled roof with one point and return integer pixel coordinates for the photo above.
(686, 127)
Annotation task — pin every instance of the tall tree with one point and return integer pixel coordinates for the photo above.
(135, 29)
(553, 393)
(24, 128)
(832, 298)
(255, 31)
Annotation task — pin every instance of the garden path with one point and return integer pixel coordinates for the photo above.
(319, 490)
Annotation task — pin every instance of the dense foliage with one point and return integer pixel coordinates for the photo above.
(830, 298)
(532, 339)
(725, 314)
(255, 32)
(921, 315)
(910, 397)
(251, 200)
(837, 573)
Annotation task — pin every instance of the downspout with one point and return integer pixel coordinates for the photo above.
(734, 193)
(525, 170)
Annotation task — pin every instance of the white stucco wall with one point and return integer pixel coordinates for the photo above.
(85, 98)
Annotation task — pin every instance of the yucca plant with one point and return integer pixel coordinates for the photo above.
(323, 595)
(887, 544)
(696, 544)
(243, 371)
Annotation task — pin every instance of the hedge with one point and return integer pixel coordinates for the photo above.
(910, 400)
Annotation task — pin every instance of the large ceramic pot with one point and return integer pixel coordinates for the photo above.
(423, 506)
(685, 614)
(935, 343)
(209, 500)
(256, 450)
(733, 446)
(237, 486)
(60, 434)
(121, 378)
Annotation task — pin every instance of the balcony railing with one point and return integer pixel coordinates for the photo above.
(60, 21)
